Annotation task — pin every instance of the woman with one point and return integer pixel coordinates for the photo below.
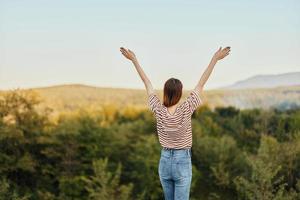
(174, 127)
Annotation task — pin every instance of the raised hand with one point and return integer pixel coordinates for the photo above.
(221, 53)
(128, 54)
(131, 56)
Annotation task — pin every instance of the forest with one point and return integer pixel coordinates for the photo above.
(107, 153)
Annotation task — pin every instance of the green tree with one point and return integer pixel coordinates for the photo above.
(9, 193)
(264, 182)
(105, 184)
(219, 160)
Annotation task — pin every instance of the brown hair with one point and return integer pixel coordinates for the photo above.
(172, 92)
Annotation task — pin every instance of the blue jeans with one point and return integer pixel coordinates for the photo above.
(175, 173)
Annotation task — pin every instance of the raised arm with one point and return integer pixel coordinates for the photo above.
(220, 54)
(131, 56)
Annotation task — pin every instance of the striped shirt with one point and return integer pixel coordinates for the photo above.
(175, 130)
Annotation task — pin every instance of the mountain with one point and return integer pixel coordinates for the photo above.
(65, 98)
(267, 81)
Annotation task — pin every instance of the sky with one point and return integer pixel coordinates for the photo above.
(52, 42)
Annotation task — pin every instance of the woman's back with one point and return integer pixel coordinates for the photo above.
(174, 130)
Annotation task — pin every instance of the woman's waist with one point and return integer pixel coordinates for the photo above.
(166, 151)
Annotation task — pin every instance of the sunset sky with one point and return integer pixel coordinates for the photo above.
(45, 42)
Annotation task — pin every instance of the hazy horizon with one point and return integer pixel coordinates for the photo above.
(45, 43)
(135, 88)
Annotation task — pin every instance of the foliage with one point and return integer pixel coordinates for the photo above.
(106, 153)
(105, 185)
(264, 182)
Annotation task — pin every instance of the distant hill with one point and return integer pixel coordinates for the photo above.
(72, 97)
(267, 81)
